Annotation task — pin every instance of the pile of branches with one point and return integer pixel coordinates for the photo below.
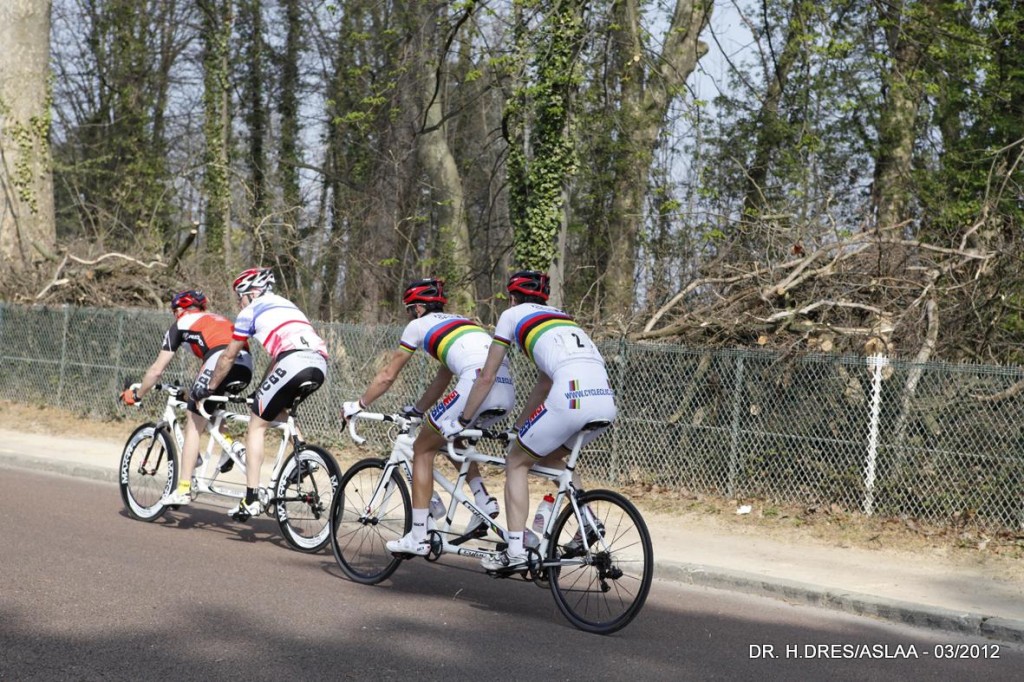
(871, 292)
(81, 276)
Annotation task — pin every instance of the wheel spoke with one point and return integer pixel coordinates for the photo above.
(606, 591)
(362, 521)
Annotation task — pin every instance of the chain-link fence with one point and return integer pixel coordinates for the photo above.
(934, 441)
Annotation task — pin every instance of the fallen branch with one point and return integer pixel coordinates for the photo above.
(59, 281)
(149, 266)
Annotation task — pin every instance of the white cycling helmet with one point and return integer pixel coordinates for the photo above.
(254, 281)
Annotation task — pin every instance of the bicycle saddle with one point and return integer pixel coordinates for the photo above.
(235, 387)
(306, 388)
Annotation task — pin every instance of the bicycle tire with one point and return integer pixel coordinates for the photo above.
(148, 471)
(357, 536)
(304, 501)
(607, 591)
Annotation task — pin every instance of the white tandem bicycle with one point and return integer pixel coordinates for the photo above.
(303, 482)
(594, 552)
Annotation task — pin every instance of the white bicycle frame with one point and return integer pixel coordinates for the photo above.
(207, 470)
(402, 456)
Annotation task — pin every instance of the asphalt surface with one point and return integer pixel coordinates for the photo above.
(924, 591)
(88, 594)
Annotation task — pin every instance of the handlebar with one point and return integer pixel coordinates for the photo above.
(404, 424)
(229, 398)
(473, 435)
(173, 389)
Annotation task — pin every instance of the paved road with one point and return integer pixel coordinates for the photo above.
(87, 593)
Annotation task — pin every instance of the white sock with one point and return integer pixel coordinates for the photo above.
(479, 490)
(515, 543)
(419, 523)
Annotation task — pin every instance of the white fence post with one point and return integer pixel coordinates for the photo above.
(876, 363)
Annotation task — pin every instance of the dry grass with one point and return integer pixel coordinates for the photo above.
(962, 541)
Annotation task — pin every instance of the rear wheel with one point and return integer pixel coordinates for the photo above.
(601, 588)
(368, 512)
(309, 481)
(148, 471)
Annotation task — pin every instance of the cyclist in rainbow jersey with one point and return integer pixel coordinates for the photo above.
(572, 389)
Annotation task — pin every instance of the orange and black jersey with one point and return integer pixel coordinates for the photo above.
(203, 332)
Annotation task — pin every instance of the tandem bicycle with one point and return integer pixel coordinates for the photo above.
(303, 481)
(594, 552)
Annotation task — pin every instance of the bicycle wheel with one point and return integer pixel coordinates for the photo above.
(148, 471)
(309, 480)
(603, 590)
(361, 522)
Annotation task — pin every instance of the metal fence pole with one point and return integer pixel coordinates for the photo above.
(734, 428)
(620, 358)
(63, 353)
(117, 357)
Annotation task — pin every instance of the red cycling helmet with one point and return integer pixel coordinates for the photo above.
(254, 280)
(183, 300)
(530, 283)
(428, 290)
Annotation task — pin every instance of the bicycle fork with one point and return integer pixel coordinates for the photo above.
(142, 471)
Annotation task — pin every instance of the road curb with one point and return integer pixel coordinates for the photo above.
(917, 615)
(46, 465)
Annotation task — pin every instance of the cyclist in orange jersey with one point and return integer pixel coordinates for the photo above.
(207, 334)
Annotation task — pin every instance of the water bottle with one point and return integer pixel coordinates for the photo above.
(540, 519)
(437, 508)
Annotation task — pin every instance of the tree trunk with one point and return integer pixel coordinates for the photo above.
(251, 20)
(644, 109)
(897, 131)
(27, 233)
(538, 116)
(288, 140)
(438, 163)
(216, 34)
(769, 137)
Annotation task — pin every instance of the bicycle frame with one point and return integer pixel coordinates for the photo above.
(594, 552)
(207, 470)
(401, 458)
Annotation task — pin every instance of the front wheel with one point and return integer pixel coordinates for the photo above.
(368, 511)
(303, 495)
(601, 585)
(148, 471)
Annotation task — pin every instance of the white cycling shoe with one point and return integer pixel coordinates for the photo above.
(407, 544)
(176, 499)
(243, 511)
(506, 561)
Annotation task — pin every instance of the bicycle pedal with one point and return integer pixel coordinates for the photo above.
(227, 466)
